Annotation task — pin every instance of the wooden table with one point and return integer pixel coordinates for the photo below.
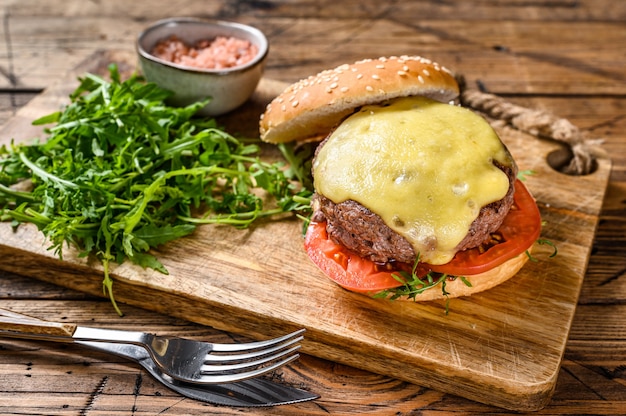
(564, 57)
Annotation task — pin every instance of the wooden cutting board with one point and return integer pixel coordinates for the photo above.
(503, 347)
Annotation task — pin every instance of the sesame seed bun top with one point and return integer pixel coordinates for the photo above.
(313, 106)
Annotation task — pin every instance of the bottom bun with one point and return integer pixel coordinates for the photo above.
(480, 282)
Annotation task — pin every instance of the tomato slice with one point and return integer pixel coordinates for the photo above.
(342, 266)
(519, 230)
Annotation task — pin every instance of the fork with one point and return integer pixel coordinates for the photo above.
(253, 392)
(180, 358)
(246, 393)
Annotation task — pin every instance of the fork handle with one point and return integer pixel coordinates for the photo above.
(42, 328)
(16, 325)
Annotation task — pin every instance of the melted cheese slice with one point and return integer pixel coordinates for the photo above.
(426, 168)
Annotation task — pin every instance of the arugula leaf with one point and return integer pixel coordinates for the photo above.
(120, 172)
(154, 236)
(412, 284)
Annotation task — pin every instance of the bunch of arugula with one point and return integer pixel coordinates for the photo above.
(121, 172)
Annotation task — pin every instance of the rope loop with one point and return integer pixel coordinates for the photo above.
(584, 151)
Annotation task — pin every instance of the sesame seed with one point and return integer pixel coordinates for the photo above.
(283, 107)
(425, 71)
(380, 66)
(369, 88)
(402, 73)
(294, 104)
(344, 89)
(329, 90)
(420, 79)
(375, 76)
(359, 76)
(405, 68)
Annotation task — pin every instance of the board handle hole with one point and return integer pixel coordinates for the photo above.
(560, 160)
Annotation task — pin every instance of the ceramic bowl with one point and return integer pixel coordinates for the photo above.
(227, 88)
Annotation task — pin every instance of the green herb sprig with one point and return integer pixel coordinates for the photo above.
(121, 172)
(541, 242)
(412, 284)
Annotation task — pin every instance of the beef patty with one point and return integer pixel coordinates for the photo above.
(364, 232)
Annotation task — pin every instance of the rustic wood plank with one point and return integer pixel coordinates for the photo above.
(17, 287)
(498, 10)
(511, 60)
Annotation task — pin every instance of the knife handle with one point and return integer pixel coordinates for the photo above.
(19, 328)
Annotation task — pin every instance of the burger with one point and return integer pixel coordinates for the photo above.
(416, 197)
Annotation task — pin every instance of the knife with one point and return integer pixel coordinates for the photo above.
(256, 392)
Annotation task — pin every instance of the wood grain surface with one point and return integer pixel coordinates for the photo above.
(559, 57)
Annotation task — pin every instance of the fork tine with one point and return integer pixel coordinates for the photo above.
(234, 377)
(256, 345)
(257, 358)
(252, 354)
(245, 365)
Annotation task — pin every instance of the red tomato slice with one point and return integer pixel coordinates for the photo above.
(520, 229)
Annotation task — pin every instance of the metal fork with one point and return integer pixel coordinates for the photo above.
(183, 359)
(246, 393)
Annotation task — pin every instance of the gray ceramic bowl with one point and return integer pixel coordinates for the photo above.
(228, 88)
